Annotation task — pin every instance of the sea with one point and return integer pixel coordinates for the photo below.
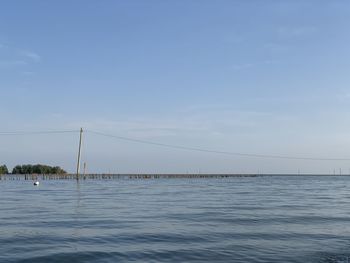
(243, 219)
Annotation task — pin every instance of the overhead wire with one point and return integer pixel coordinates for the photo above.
(179, 147)
(239, 154)
(13, 133)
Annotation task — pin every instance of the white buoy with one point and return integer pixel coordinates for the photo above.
(36, 183)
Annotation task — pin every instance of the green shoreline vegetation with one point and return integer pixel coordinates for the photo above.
(33, 169)
(3, 169)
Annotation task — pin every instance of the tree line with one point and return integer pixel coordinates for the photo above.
(33, 169)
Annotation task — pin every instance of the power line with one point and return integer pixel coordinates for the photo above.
(266, 156)
(14, 133)
(251, 155)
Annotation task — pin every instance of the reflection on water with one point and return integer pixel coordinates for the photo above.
(262, 219)
(77, 228)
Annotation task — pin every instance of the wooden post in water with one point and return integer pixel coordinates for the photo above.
(84, 168)
(79, 152)
(84, 171)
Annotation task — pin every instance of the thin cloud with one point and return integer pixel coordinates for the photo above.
(31, 55)
(12, 57)
(291, 32)
(276, 47)
(28, 73)
(343, 96)
(255, 64)
(12, 63)
(244, 66)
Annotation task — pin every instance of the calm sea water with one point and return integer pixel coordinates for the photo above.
(263, 219)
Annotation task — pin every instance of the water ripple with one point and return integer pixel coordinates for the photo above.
(272, 219)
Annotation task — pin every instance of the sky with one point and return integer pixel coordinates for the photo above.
(256, 77)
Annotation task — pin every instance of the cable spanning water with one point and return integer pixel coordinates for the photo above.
(16, 133)
(179, 147)
(220, 152)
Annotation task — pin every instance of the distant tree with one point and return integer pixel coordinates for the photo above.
(27, 169)
(17, 169)
(37, 169)
(58, 170)
(3, 169)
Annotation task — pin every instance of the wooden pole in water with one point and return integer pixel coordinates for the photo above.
(79, 152)
(84, 168)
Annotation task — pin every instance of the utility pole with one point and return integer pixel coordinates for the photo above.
(79, 152)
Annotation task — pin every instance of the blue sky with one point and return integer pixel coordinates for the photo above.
(265, 77)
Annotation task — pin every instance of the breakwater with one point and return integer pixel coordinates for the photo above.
(140, 176)
(115, 176)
